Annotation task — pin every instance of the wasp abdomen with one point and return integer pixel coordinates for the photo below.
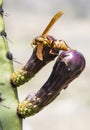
(60, 44)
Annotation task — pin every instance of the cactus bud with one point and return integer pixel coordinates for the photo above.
(32, 67)
(68, 66)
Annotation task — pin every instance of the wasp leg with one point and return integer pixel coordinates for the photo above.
(64, 61)
(53, 53)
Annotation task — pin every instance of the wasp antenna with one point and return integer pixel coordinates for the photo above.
(53, 20)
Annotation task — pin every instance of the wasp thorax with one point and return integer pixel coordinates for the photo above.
(44, 40)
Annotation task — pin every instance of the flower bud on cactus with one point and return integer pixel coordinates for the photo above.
(68, 66)
(32, 66)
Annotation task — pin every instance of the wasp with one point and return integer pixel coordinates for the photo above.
(49, 41)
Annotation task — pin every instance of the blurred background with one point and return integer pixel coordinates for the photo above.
(28, 19)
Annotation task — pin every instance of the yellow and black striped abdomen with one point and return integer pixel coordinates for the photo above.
(60, 45)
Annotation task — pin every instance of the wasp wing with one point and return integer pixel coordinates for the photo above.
(51, 23)
(39, 53)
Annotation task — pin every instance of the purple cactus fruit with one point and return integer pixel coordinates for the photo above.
(68, 66)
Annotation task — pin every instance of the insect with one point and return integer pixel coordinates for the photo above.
(49, 41)
(10, 57)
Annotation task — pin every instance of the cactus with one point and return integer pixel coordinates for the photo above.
(9, 119)
(69, 65)
(45, 51)
(32, 67)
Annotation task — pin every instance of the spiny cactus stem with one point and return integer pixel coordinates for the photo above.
(9, 119)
